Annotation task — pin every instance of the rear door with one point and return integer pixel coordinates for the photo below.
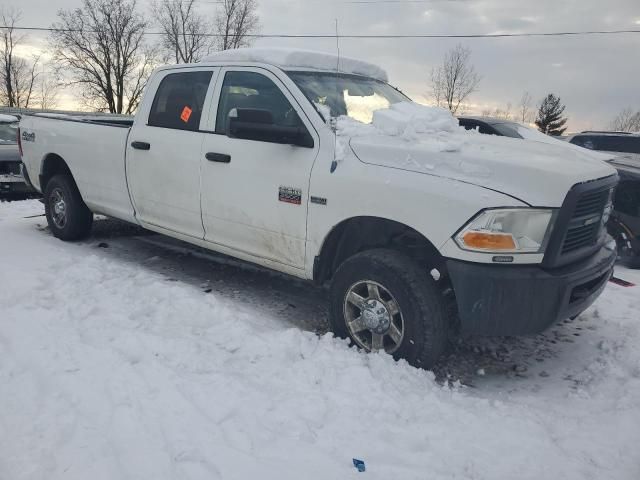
(255, 193)
(163, 155)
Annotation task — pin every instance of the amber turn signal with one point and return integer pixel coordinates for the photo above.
(489, 241)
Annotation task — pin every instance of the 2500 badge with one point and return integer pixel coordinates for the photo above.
(28, 136)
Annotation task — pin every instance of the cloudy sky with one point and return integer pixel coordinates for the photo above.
(596, 76)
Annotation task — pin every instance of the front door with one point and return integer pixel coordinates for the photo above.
(163, 155)
(255, 193)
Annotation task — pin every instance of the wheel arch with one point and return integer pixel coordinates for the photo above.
(52, 164)
(357, 234)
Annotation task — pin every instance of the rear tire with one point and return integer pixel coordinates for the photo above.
(383, 293)
(68, 216)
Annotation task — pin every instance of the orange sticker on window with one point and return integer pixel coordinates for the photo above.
(186, 114)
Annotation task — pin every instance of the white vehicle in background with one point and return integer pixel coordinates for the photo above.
(274, 157)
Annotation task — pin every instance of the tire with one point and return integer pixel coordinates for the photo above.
(68, 216)
(421, 307)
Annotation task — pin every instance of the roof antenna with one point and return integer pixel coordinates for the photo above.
(334, 164)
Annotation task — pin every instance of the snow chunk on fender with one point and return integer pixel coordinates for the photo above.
(410, 120)
(288, 59)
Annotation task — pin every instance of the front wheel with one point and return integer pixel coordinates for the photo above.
(67, 215)
(382, 301)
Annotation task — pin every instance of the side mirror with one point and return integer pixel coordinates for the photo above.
(257, 124)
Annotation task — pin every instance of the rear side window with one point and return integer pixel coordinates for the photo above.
(8, 133)
(179, 101)
(253, 91)
(473, 124)
(609, 143)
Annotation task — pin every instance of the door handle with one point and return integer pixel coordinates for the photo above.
(218, 157)
(141, 145)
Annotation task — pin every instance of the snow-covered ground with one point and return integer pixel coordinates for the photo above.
(130, 356)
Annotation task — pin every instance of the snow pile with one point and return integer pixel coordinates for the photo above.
(110, 371)
(433, 128)
(411, 120)
(289, 59)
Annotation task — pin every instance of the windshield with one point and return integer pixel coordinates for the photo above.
(351, 95)
(508, 129)
(8, 133)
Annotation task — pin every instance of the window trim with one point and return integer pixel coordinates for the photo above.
(207, 99)
(209, 127)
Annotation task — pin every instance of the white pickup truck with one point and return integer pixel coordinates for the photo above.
(314, 166)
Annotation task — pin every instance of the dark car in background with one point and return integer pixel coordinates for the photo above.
(12, 182)
(491, 126)
(508, 128)
(624, 225)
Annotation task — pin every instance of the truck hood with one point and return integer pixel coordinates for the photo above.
(539, 174)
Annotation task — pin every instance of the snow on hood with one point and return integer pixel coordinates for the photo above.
(429, 140)
(537, 136)
(289, 59)
(4, 118)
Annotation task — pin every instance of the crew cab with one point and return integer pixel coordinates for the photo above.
(316, 167)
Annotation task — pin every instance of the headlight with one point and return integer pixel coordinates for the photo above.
(508, 230)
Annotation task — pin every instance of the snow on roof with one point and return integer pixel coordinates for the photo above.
(7, 118)
(289, 59)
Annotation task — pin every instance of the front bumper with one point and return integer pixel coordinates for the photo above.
(518, 300)
(13, 184)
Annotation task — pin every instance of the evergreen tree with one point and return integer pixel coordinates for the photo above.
(549, 119)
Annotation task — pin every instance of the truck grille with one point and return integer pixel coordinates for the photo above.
(586, 221)
(578, 231)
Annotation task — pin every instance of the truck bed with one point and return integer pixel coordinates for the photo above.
(93, 147)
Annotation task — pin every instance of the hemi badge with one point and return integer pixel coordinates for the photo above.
(318, 200)
(290, 195)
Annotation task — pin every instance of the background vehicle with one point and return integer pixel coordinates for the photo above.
(624, 225)
(507, 128)
(12, 181)
(238, 154)
(491, 126)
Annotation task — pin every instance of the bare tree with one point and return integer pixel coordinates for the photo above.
(524, 109)
(48, 89)
(184, 31)
(101, 47)
(626, 121)
(18, 75)
(503, 113)
(236, 21)
(455, 79)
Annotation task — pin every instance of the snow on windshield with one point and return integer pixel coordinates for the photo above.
(351, 95)
(434, 128)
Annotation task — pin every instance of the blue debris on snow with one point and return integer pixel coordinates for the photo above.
(359, 464)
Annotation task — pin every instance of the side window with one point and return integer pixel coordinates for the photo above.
(486, 129)
(179, 101)
(585, 141)
(627, 199)
(250, 90)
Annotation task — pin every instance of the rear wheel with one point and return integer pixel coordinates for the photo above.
(382, 301)
(67, 215)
